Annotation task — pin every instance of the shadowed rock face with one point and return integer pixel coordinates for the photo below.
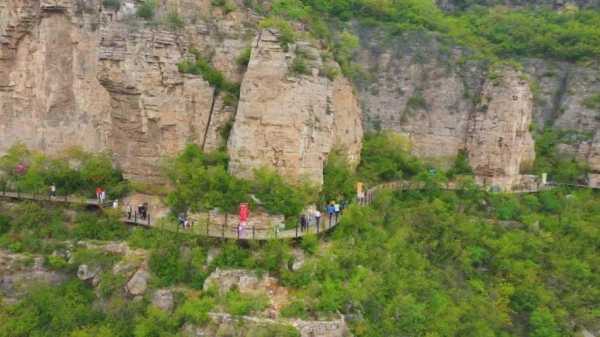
(290, 121)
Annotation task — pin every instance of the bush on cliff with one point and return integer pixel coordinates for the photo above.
(73, 172)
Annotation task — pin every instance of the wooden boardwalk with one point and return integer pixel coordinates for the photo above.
(210, 230)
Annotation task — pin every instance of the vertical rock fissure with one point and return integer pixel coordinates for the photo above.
(210, 114)
(560, 93)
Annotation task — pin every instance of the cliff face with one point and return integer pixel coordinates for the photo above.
(444, 102)
(77, 73)
(291, 121)
(498, 140)
(74, 73)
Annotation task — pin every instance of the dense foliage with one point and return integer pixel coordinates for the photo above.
(201, 182)
(560, 167)
(425, 262)
(72, 172)
(492, 32)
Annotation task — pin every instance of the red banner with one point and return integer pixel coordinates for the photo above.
(244, 212)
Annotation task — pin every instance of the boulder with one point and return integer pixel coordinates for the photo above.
(85, 272)
(138, 283)
(163, 299)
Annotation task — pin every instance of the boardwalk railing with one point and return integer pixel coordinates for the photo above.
(211, 229)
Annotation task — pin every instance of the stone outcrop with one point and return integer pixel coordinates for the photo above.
(20, 272)
(498, 139)
(436, 95)
(73, 73)
(138, 283)
(288, 121)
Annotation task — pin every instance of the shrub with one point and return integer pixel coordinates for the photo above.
(146, 9)
(244, 58)
(287, 34)
(299, 65)
(114, 4)
(239, 304)
(174, 21)
(166, 263)
(592, 102)
(195, 311)
(385, 156)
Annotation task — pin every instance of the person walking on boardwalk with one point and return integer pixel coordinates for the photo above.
(317, 216)
(303, 222)
(336, 209)
(129, 211)
(330, 211)
(102, 196)
(98, 193)
(52, 192)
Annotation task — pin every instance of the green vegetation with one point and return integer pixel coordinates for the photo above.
(299, 65)
(227, 5)
(560, 167)
(496, 33)
(201, 182)
(73, 172)
(592, 102)
(201, 66)
(425, 262)
(174, 21)
(386, 157)
(244, 58)
(113, 4)
(147, 9)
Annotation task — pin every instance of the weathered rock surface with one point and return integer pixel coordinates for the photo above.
(435, 94)
(226, 325)
(79, 74)
(138, 283)
(163, 299)
(498, 138)
(291, 122)
(19, 272)
(85, 272)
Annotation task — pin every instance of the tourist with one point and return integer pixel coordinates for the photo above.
(330, 211)
(52, 192)
(303, 222)
(115, 204)
(129, 211)
(336, 209)
(102, 196)
(317, 216)
(98, 192)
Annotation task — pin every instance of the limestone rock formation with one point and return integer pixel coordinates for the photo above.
(18, 274)
(73, 73)
(498, 138)
(138, 283)
(163, 299)
(291, 122)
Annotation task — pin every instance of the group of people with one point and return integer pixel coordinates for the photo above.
(142, 210)
(333, 209)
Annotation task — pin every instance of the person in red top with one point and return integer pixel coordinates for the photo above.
(98, 192)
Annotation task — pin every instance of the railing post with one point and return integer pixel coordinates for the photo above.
(223, 231)
(148, 219)
(253, 232)
(135, 217)
(238, 232)
(296, 231)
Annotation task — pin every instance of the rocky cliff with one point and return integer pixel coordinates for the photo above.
(79, 73)
(291, 121)
(446, 101)
(75, 72)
